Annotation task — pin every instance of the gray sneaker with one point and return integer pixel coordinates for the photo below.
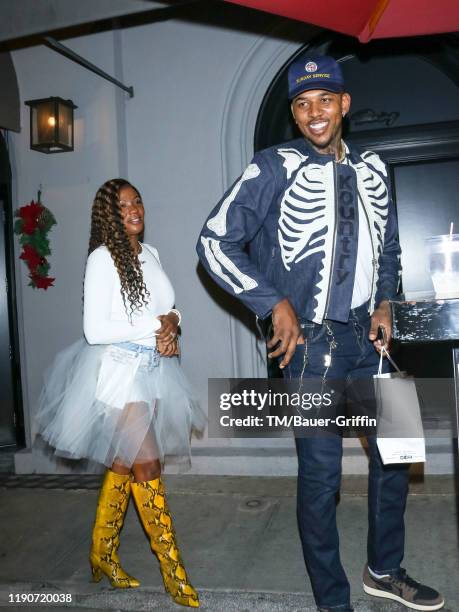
(403, 589)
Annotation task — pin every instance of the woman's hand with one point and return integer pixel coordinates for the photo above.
(168, 350)
(169, 327)
(166, 337)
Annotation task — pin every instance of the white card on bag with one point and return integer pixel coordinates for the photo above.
(401, 450)
(116, 375)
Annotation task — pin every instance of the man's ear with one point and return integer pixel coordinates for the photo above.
(345, 103)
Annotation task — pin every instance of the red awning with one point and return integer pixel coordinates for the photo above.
(367, 19)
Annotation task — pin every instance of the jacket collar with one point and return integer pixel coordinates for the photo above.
(305, 147)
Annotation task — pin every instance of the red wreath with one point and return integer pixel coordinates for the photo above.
(33, 223)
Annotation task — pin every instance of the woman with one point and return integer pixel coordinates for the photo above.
(119, 397)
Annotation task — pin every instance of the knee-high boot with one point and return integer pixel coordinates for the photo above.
(111, 508)
(154, 513)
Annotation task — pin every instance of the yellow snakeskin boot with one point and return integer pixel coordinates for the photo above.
(154, 513)
(111, 508)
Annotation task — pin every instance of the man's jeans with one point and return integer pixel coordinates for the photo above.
(343, 351)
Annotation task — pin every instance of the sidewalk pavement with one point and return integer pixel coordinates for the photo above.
(237, 535)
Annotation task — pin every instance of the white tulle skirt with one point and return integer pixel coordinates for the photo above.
(118, 403)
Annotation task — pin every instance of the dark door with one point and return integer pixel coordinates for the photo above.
(7, 412)
(11, 419)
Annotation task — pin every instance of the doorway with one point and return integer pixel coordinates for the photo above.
(11, 414)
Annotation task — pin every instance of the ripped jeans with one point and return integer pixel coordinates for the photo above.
(343, 351)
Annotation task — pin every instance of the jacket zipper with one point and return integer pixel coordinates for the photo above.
(373, 261)
(330, 276)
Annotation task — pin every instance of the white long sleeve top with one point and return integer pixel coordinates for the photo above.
(105, 320)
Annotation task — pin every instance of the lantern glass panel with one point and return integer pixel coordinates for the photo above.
(65, 136)
(44, 124)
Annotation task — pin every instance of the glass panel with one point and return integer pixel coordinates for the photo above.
(398, 90)
(34, 124)
(426, 196)
(45, 124)
(65, 125)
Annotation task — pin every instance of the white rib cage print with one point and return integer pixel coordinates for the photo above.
(306, 214)
(375, 196)
(306, 222)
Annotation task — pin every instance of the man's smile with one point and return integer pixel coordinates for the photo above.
(317, 127)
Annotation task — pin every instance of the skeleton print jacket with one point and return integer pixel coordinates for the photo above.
(288, 228)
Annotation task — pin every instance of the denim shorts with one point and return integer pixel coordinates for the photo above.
(150, 354)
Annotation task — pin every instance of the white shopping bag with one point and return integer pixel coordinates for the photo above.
(400, 435)
(117, 372)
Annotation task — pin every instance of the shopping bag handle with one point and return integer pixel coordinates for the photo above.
(384, 350)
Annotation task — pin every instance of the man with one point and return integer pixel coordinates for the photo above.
(323, 261)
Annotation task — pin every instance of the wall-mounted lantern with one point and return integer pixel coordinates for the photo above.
(51, 125)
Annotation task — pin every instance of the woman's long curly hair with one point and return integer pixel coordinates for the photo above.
(107, 229)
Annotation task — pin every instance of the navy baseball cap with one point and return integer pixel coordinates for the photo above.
(311, 71)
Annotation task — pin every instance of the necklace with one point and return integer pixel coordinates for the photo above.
(342, 153)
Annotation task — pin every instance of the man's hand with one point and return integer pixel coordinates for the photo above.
(381, 318)
(287, 332)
